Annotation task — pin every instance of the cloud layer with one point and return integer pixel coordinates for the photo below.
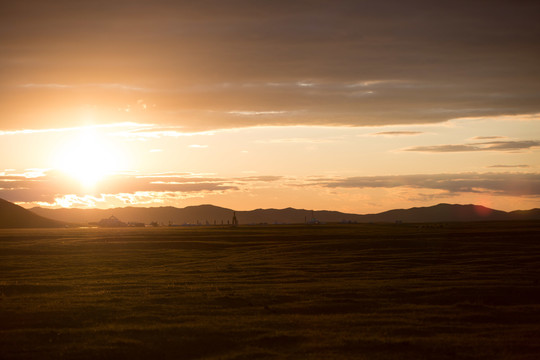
(213, 65)
(512, 184)
(52, 189)
(48, 186)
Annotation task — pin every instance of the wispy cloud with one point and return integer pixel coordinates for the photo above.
(524, 117)
(509, 166)
(488, 137)
(112, 86)
(139, 198)
(295, 141)
(504, 146)
(257, 113)
(305, 84)
(26, 174)
(75, 128)
(156, 132)
(261, 178)
(398, 133)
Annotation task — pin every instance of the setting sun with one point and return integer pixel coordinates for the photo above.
(269, 179)
(88, 157)
(350, 106)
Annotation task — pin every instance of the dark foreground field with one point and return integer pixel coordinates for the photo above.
(465, 291)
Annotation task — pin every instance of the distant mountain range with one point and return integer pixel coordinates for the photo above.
(14, 216)
(209, 214)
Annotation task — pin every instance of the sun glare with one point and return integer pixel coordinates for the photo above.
(88, 157)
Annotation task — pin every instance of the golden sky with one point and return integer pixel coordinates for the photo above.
(356, 106)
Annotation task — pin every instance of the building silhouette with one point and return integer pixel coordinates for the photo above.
(112, 221)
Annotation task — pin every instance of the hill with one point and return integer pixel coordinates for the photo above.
(525, 214)
(163, 215)
(439, 213)
(209, 214)
(14, 216)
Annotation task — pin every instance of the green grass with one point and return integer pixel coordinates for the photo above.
(463, 291)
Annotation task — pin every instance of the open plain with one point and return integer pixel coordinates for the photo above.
(366, 291)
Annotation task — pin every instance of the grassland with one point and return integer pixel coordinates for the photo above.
(462, 291)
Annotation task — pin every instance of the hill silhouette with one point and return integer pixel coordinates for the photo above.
(14, 216)
(162, 215)
(440, 213)
(209, 214)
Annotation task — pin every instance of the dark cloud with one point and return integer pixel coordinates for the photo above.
(526, 184)
(341, 62)
(483, 146)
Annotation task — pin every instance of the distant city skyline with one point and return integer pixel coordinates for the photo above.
(351, 106)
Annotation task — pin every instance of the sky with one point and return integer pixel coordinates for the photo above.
(355, 106)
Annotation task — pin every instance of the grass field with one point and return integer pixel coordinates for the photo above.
(462, 291)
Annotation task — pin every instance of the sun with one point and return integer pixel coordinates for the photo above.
(88, 157)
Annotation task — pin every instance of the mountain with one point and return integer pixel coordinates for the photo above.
(439, 213)
(163, 215)
(14, 216)
(209, 214)
(201, 214)
(524, 214)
